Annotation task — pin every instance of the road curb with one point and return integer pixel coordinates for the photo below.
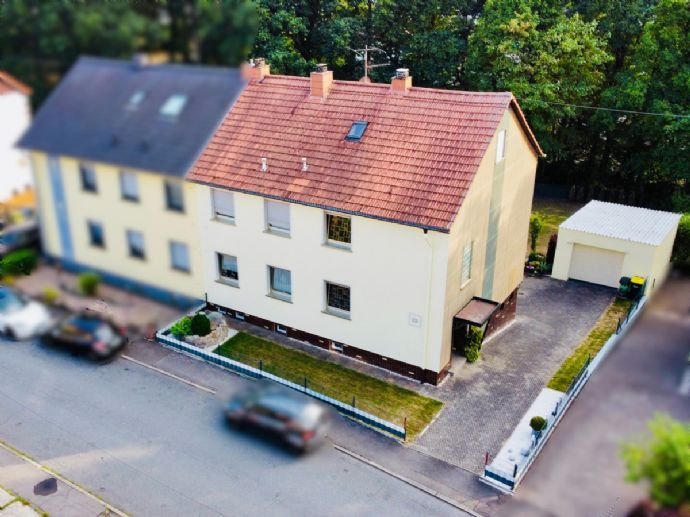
(62, 478)
(169, 374)
(411, 482)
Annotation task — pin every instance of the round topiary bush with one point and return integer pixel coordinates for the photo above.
(201, 325)
(50, 295)
(88, 283)
(472, 354)
(537, 423)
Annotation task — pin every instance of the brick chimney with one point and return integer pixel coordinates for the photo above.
(402, 81)
(321, 80)
(255, 70)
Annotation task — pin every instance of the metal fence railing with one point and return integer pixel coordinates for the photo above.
(349, 409)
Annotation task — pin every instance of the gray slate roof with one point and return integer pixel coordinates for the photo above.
(87, 116)
(630, 223)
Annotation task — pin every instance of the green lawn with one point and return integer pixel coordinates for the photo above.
(554, 211)
(380, 398)
(597, 337)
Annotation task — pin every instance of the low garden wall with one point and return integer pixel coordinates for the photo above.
(165, 337)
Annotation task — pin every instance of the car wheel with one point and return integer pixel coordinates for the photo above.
(10, 334)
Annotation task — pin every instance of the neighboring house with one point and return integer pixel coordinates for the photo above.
(602, 242)
(373, 220)
(110, 148)
(15, 117)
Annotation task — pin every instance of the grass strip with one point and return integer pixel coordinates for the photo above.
(380, 398)
(603, 329)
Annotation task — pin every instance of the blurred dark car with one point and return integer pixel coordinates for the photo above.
(299, 420)
(88, 333)
(24, 235)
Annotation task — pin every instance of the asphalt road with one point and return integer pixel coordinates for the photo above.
(151, 445)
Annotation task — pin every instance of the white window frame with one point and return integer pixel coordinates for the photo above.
(235, 282)
(335, 311)
(183, 268)
(124, 185)
(274, 293)
(333, 242)
(221, 216)
(272, 228)
(466, 264)
(501, 146)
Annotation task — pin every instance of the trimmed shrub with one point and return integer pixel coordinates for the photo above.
(472, 354)
(20, 262)
(475, 338)
(536, 223)
(182, 327)
(534, 256)
(681, 248)
(201, 325)
(50, 295)
(538, 423)
(88, 283)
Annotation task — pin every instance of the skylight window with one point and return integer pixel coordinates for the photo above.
(174, 105)
(357, 131)
(136, 99)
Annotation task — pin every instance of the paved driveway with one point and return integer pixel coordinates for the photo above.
(485, 400)
(580, 471)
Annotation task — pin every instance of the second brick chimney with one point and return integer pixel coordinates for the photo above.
(402, 81)
(321, 80)
(255, 70)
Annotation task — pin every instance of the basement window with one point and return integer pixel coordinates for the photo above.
(357, 131)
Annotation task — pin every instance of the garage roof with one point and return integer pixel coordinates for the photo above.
(630, 223)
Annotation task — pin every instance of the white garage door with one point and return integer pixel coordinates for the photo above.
(596, 265)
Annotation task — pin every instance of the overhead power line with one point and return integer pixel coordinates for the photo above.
(599, 108)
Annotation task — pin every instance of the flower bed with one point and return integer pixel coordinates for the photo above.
(204, 329)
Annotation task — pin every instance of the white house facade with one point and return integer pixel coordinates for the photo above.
(15, 117)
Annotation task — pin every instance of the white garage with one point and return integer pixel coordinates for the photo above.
(602, 242)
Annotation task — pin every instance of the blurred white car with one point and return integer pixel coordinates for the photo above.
(21, 318)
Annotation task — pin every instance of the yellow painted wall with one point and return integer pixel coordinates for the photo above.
(149, 216)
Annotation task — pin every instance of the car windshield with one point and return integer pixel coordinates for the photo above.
(10, 302)
(104, 333)
(81, 326)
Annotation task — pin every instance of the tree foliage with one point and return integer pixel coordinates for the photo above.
(663, 461)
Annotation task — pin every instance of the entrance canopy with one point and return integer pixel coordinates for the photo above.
(477, 312)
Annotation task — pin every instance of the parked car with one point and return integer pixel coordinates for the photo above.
(14, 237)
(21, 318)
(89, 333)
(299, 420)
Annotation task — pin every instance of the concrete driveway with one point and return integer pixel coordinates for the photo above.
(580, 471)
(485, 400)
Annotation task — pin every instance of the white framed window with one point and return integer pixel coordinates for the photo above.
(280, 283)
(96, 234)
(337, 299)
(179, 256)
(129, 187)
(223, 202)
(174, 196)
(277, 216)
(227, 269)
(338, 230)
(501, 145)
(174, 105)
(135, 244)
(466, 271)
(88, 178)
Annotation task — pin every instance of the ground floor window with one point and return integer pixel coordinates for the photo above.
(280, 282)
(179, 256)
(135, 244)
(96, 235)
(338, 299)
(227, 268)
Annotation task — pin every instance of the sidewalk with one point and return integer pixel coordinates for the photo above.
(125, 308)
(436, 476)
(29, 490)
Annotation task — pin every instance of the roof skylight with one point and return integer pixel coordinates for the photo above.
(136, 99)
(357, 131)
(174, 105)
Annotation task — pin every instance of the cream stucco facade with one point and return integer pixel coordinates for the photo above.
(65, 208)
(405, 282)
(15, 117)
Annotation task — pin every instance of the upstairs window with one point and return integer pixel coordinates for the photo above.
(129, 187)
(223, 204)
(501, 146)
(338, 230)
(277, 217)
(174, 105)
(174, 197)
(357, 131)
(466, 271)
(88, 178)
(135, 244)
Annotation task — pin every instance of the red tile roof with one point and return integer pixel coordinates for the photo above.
(414, 164)
(12, 84)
